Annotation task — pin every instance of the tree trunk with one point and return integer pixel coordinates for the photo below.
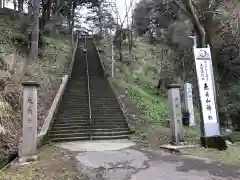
(74, 5)
(131, 39)
(30, 2)
(210, 29)
(161, 86)
(57, 3)
(44, 14)
(35, 30)
(26, 24)
(55, 9)
(120, 50)
(15, 5)
(20, 6)
(99, 15)
(48, 16)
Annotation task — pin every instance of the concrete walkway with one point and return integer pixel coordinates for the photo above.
(123, 160)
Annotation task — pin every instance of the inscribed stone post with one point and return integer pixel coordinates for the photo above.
(206, 91)
(188, 102)
(210, 128)
(175, 113)
(29, 119)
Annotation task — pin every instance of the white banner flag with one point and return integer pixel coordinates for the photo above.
(205, 77)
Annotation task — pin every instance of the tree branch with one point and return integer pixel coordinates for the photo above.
(178, 5)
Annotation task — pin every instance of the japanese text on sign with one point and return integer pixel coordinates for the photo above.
(205, 83)
(29, 111)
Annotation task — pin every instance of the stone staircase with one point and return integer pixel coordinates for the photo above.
(76, 120)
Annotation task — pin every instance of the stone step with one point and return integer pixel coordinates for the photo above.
(93, 131)
(69, 124)
(71, 120)
(86, 129)
(107, 102)
(69, 128)
(76, 101)
(85, 134)
(109, 113)
(76, 87)
(87, 126)
(76, 108)
(64, 135)
(99, 106)
(76, 91)
(75, 98)
(104, 96)
(110, 137)
(93, 126)
(103, 93)
(104, 119)
(102, 89)
(74, 114)
(106, 108)
(88, 138)
(77, 80)
(65, 139)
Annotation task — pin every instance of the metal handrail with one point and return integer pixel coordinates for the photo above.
(89, 93)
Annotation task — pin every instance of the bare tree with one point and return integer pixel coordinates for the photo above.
(119, 30)
(129, 25)
(20, 5)
(15, 5)
(35, 29)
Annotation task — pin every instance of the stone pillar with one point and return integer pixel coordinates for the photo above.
(175, 112)
(188, 102)
(28, 145)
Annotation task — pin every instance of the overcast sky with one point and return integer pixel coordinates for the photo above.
(121, 6)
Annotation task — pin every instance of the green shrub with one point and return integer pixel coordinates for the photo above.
(19, 38)
(46, 31)
(154, 107)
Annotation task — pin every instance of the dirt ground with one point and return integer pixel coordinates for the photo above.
(53, 164)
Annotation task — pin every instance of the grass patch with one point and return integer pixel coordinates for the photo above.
(154, 107)
(230, 156)
(55, 55)
(54, 164)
